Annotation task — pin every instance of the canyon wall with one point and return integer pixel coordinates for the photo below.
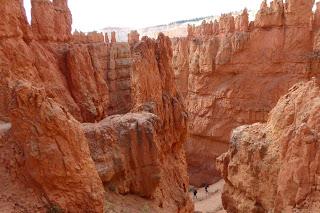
(232, 72)
(142, 152)
(80, 121)
(274, 166)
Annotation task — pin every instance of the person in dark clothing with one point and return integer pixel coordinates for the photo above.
(195, 192)
(206, 188)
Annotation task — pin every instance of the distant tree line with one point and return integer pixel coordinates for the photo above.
(184, 21)
(190, 20)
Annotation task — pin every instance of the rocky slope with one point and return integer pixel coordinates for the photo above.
(232, 72)
(64, 145)
(274, 166)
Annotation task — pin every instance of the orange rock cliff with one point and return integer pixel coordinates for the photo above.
(89, 124)
(232, 72)
(84, 121)
(274, 166)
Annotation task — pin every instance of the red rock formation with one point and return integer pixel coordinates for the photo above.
(55, 157)
(190, 31)
(142, 153)
(133, 37)
(106, 38)
(153, 83)
(226, 24)
(120, 139)
(316, 17)
(45, 160)
(95, 37)
(242, 21)
(13, 22)
(87, 84)
(181, 64)
(51, 21)
(130, 155)
(215, 27)
(91, 37)
(231, 79)
(272, 16)
(274, 166)
(50, 81)
(113, 37)
(206, 28)
(119, 78)
(298, 12)
(154, 91)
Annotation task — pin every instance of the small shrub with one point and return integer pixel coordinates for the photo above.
(109, 207)
(145, 209)
(54, 208)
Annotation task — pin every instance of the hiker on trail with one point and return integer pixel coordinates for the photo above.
(206, 188)
(195, 192)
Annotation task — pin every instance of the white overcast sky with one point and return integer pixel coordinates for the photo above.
(89, 15)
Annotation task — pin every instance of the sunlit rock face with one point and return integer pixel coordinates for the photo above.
(83, 119)
(51, 20)
(273, 166)
(232, 72)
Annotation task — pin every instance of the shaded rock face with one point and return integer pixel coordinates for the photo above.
(131, 158)
(125, 153)
(120, 68)
(153, 61)
(180, 63)
(233, 72)
(86, 82)
(59, 149)
(141, 152)
(274, 166)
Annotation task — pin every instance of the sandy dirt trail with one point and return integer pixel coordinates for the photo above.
(211, 202)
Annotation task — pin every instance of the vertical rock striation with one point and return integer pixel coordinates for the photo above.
(51, 20)
(142, 152)
(133, 37)
(273, 166)
(54, 156)
(60, 149)
(234, 74)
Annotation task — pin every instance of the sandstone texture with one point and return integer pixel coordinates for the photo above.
(86, 82)
(232, 72)
(274, 166)
(52, 151)
(141, 152)
(133, 37)
(51, 20)
(79, 129)
(119, 78)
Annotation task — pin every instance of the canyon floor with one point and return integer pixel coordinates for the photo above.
(209, 203)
